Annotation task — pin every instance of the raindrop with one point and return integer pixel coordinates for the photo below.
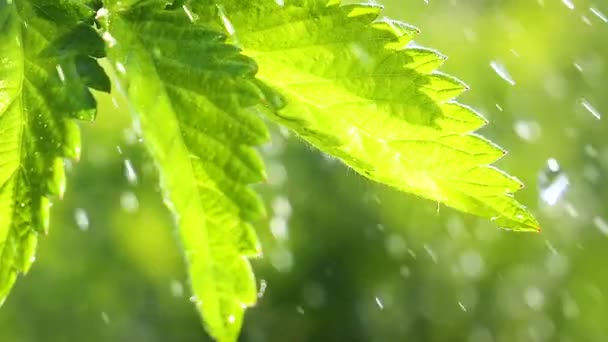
(129, 202)
(586, 20)
(231, 319)
(177, 289)
(108, 38)
(555, 85)
(60, 72)
(601, 224)
(300, 310)
(431, 253)
(462, 307)
(280, 2)
(130, 136)
(277, 174)
(101, 13)
(471, 264)
(281, 206)
(105, 318)
(553, 165)
(121, 68)
(527, 130)
(553, 183)
(552, 193)
(262, 289)
(379, 303)
(556, 264)
(571, 210)
(130, 172)
(281, 259)
(534, 298)
(568, 4)
(395, 246)
(589, 107)
(192, 17)
(404, 271)
(599, 14)
(227, 24)
(195, 300)
(82, 219)
(501, 70)
(278, 227)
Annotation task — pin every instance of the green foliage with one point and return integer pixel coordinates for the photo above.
(355, 90)
(47, 65)
(192, 95)
(345, 81)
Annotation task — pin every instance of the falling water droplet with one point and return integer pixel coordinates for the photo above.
(82, 219)
(430, 252)
(591, 109)
(568, 4)
(108, 38)
(586, 20)
(599, 14)
(101, 13)
(278, 227)
(130, 172)
(553, 183)
(501, 70)
(553, 165)
(379, 303)
(191, 16)
(121, 68)
(129, 202)
(601, 225)
(105, 318)
(177, 289)
(527, 130)
(262, 289)
(60, 72)
(534, 298)
(227, 23)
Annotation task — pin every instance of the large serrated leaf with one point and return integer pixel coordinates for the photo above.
(44, 80)
(355, 89)
(191, 93)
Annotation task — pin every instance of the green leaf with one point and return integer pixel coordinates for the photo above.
(357, 89)
(44, 80)
(193, 96)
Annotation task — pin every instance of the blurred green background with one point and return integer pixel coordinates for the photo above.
(348, 260)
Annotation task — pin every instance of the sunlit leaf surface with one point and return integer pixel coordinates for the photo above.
(357, 89)
(192, 95)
